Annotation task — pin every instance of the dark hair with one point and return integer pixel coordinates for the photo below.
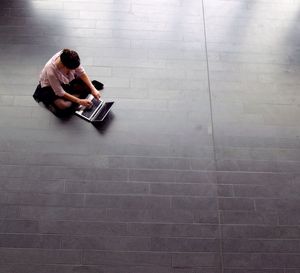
(70, 58)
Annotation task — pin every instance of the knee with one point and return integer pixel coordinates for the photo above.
(62, 104)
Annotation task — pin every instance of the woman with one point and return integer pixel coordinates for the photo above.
(64, 83)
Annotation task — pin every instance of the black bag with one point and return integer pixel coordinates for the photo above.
(98, 85)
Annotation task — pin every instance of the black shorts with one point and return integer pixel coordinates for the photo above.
(45, 95)
(76, 86)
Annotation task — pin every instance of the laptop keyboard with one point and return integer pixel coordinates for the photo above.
(88, 112)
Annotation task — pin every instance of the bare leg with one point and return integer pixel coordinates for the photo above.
(62, 104)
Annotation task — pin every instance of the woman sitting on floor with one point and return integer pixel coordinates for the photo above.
(64, 84)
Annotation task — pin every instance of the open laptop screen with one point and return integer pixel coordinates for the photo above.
(104, 111)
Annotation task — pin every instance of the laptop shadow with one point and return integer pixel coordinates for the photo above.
(103, 126)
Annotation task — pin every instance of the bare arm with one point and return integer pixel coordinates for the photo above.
(88, 82)
(72, 98)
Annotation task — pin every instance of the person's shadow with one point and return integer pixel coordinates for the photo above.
(102, 127)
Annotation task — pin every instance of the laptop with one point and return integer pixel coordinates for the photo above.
(97, 112)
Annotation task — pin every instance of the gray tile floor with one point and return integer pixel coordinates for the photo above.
(197, 168)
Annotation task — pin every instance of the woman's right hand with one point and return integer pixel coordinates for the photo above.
(85, 103)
